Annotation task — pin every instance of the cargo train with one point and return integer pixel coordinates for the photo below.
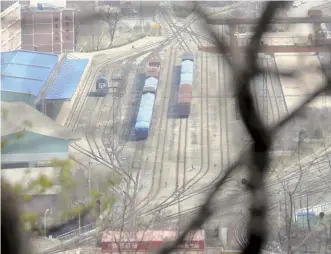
(145, 112)
(185, 85)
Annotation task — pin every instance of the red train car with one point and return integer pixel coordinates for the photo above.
(185, 88)
(149, 240)
(154, 62)
(184, 104)
(152, 72)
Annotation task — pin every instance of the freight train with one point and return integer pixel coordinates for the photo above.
(145, 113)
(102, 86)
(185, 85)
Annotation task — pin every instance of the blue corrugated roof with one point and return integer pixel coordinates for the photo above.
(67, 80)
(25, 71)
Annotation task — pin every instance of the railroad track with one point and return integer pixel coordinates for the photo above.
(158, 164)
(176, 170)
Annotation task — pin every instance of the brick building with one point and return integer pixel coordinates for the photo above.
(48, 29)
(10, 26)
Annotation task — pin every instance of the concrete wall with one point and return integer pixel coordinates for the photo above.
(18, 97)
(53, 108)
(11, 28)
(33, 147)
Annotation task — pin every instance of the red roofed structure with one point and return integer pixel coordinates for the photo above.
(145, 241)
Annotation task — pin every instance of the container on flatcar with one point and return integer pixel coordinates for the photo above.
(101, 85)
(150, 85)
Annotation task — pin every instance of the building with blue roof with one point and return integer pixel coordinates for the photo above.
(23, 74)
(41, 80)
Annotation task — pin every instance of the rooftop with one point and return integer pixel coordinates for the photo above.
(18, 114)
(26, 71)
(67, 79)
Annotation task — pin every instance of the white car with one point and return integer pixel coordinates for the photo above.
(296, 4)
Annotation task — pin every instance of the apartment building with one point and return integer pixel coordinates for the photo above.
(48, 29)
(10, 26)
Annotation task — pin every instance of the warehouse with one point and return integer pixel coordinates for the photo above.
(44, 81)
(29, 138)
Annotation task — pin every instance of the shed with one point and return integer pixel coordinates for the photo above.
(24, 74)
(44, 81)
(30, 137)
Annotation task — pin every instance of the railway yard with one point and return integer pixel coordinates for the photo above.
(165, 177)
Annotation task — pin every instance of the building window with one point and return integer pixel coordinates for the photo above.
(56, 25)
(56, 19)
(56, 39)
(67, 37)
(66, 18)
(67, 23)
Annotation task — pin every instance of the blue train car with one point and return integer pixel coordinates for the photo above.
(187, 66)
(186, 78)
(101, 86)
(144, 117)
(150, 85)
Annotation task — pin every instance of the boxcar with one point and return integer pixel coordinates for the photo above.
(187, 67)
(144, 117)
(150, 85)
(185, 88)
(186, 78)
